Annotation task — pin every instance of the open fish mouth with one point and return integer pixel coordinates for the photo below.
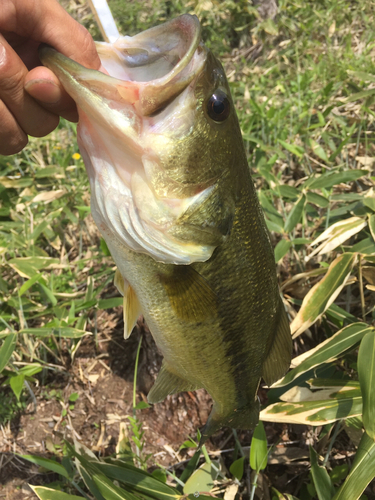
(131, 115)
(146, 70)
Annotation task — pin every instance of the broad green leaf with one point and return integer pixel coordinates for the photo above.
(264, 172)
(6, 350)
(48, 172)
(319, 151)
(281, 249)
(203, 479)
(339, 473)
(4, 287)
(337, 234)
(89, 482)
(288, 191)
(334, 383)
(366, 373)
(317, 199)
(283, 496)
(360, 95)
(347, 197)
(29, 283)
(21, 182)
(48, 293)
(4, 211)
(371, 224)
(86, 464)
(340, 391)
(23, 267)
(295, 214)
(45, 493)
(160, 474)
(327, 351)
(292, 148)
(16, 383)
(267, 206)
(109, 303)
(330, 179)
(236, 469)
(258, 449)
(190, 468)
(361, 75)
(301, 241)
(343, 210)
(136, 480)
(273, 227)
(110, 491)
(322, 482)
(83, 208)
(366, 247)
(304, 276)
(337, 314)
(87, 304)
(64, 331)
(104, 247)
(28, 266)
(31, 369)
(39, 229)
(323, 294)
(361, 473)
(315, 412)
(47, 464)
(142, 405)
(369, 202)
(369, 273)
(269, 27)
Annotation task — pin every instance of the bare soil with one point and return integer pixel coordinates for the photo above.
(102, 374)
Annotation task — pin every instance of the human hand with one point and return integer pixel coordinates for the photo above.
(31, 97)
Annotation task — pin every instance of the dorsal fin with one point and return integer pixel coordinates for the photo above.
(131, 306)
(189, 294)
(168, 383)
(278, 359)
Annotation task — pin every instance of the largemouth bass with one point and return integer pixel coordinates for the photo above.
(172, 195)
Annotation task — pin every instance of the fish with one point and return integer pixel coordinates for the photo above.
(173, 197)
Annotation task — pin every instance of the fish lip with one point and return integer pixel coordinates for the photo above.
(148, 96)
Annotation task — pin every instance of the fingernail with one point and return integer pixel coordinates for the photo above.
(44, 90)
(2, 53)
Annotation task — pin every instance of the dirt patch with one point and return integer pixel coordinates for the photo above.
(90, 399)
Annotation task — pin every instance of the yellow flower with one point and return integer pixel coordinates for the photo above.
(76, 156)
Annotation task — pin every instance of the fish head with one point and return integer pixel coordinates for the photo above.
(157, 131)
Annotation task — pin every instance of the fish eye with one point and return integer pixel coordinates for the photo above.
(218, 106)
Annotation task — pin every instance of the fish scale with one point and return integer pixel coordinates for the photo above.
(173, 197)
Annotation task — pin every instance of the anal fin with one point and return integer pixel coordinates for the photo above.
(278, 359)
(131, 306)
(190, 295)
(246, 417)
(168, 383)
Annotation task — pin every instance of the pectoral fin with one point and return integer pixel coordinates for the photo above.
(168, 383)
(131, 306)
(279, 355)
(189, 294)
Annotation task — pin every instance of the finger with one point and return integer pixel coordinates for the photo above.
(30, 116)
(46, 21)
(12, 138)
(45, 87)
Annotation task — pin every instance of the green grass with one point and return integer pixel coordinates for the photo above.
(304, 90)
